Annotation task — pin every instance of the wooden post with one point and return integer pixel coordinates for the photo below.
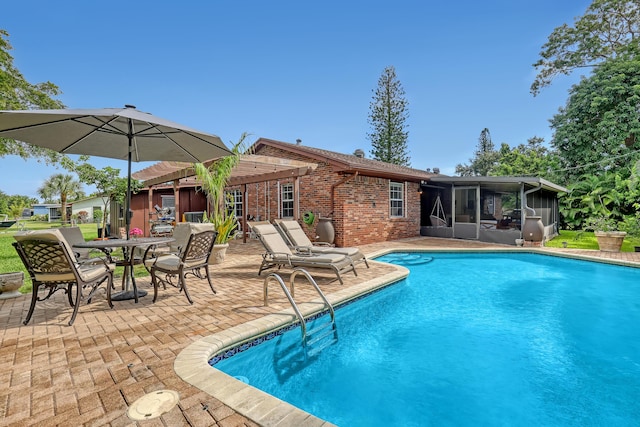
(176, 195)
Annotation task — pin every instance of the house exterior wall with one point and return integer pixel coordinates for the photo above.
(88, 205)
(190, 201)
(358, 205)
(360, 209)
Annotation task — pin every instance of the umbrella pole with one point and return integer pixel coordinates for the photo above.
(127, 214)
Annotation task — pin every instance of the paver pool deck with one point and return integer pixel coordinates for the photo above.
(52, 374)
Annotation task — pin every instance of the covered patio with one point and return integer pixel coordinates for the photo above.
(174, 186)
(489, 209)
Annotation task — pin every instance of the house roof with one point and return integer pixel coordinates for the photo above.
(250, 169)
(506, 183)
(349, 163)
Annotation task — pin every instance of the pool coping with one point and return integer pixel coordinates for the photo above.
(192, 363)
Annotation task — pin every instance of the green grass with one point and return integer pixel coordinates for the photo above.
(10, 261)
(586, 240)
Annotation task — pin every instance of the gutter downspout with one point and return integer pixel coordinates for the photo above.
(333, 190)
(528, 211)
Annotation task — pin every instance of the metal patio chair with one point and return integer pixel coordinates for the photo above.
(192, 259)
(52, 266)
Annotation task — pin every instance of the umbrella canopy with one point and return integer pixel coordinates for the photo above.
(117, 133)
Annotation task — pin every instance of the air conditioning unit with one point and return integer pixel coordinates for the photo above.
(194, 216)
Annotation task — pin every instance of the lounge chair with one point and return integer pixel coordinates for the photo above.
(299, 240)
(51, 264)
(190, 260)
(279, 254)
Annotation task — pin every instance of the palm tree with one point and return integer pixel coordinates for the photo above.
(61, 185)
(213, 180)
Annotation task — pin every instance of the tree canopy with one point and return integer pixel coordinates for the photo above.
(530, 159)
(484, 160)
(61, 186)
(109, 184)
(606, 28)
(11, 204)
(599, 126)
(387, 116)
(16, 93)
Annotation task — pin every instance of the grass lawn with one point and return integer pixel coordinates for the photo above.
(10, 261)
(586, 240)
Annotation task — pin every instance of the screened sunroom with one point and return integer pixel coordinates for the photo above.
(489, 209)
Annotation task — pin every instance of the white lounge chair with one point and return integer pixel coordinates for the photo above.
(279, 254)
(299, 240)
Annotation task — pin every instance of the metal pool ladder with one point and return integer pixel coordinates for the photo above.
(318, 333)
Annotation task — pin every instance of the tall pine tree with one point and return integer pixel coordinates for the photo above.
(486, 158)
(387, 115)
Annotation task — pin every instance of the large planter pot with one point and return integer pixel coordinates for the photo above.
(217, 253)
(533, 229)
(10, 283)
(610, 241)
(325, 231)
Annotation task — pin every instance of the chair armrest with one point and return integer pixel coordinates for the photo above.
(302, 250)
(325, 244)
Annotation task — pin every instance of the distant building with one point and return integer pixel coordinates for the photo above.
(52, 210)
(89, 205)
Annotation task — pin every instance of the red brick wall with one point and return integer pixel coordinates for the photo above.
(360, 209)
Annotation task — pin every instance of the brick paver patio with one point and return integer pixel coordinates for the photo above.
(89, 373)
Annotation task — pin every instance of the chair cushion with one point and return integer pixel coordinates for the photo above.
(165, 262)
(52, 235)
(351, 252)
(74, 235)
(183, 230)
(271, 239)
(296, 233)
(172, 263)
(319, 258)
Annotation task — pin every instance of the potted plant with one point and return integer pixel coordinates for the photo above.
(10, 283)
(213, 181)
(607, 234)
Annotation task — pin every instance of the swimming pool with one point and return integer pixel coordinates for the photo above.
(471, 339)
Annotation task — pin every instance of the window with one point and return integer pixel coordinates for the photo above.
(396, 199)
(287, 200)
(234, 202)
(169, 203)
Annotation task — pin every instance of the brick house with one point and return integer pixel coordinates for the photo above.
(368, 201)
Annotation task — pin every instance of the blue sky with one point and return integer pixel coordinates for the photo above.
(293, 69)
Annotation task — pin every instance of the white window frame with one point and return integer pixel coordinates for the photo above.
(396, 199)
(287, 199)
(234, 202)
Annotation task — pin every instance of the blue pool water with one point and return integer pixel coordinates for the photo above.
(471, 339)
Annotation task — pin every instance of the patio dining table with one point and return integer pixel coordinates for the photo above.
(128, 260)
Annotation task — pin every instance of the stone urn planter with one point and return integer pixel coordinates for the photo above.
(325, 231)
(10, 283)
(610, 241)
(217, 253)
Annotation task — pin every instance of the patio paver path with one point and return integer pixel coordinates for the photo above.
(89, 373)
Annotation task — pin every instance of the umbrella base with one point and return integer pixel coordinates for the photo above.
(127, 295)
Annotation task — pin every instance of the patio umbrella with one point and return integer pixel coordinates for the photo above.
(117, 133)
